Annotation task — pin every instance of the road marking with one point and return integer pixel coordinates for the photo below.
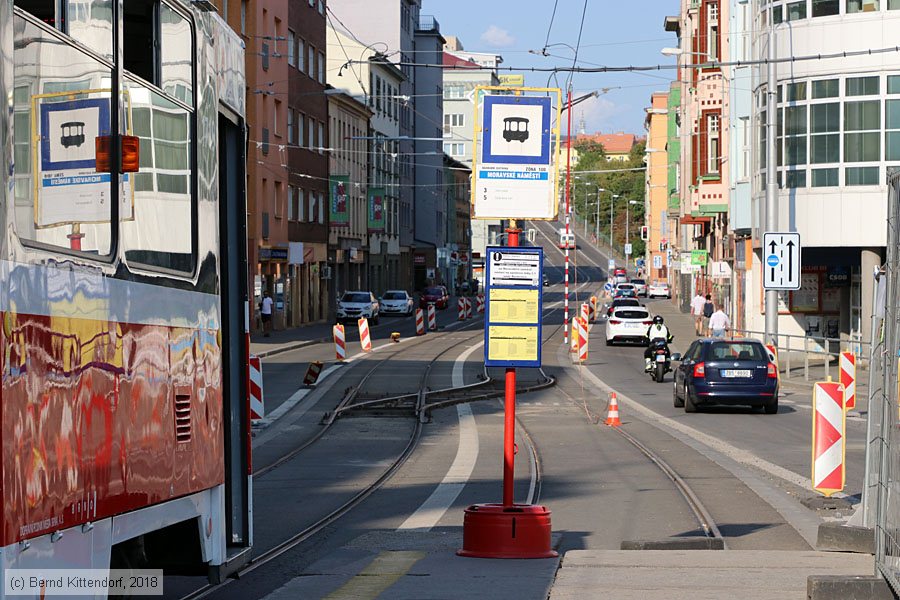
(295, 398)
(384, 571)
(444, 495)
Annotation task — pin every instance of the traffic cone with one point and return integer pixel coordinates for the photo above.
(613, 417)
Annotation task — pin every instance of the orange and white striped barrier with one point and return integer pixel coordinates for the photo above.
(582, 336)
(432, 317)
(593, 304)
(461, 309)
(573, 345)
(773, 353)
(848, 379)
(479, 304)
(365, 339)
(312, 373)
(340, 342)
(257, 403)
(420, 321)
(828, 445)
(586, 311)
(612, 417)
(468, 307)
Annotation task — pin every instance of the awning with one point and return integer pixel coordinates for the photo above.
(692, 220)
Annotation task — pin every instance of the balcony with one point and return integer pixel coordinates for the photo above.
(428, 23)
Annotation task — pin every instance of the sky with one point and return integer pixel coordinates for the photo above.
(620, 33)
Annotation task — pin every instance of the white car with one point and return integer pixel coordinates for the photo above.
(354, 305)
(396, 302)
(640, 287)
(659, 289)
(628, 324)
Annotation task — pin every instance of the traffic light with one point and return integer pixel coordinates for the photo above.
(645, 233)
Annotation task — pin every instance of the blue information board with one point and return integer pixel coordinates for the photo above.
(513, 306)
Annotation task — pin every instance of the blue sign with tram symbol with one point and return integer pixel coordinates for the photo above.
(513, 306)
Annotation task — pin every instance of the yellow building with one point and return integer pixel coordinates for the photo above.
(656, 123)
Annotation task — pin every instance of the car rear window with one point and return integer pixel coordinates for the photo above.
(355, 298)
(630, 313)
(626, 302)
(625, 286)
(638, 281)
(737, 351)
(394, 296)
(434, 292)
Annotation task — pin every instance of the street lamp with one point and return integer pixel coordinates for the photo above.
(627, 237)
(612, 203)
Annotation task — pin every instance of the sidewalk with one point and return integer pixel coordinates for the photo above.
(289, 339)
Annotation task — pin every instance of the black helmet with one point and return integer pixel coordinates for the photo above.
(658, 320)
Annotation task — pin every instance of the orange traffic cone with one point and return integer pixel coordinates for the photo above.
(613, 418)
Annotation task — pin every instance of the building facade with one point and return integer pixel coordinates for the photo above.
(457, 195)
(656, 210)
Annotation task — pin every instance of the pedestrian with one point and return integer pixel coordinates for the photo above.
(719, 323)
(708, 310)
(265, 308)
(697, 311)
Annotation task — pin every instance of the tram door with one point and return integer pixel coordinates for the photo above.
(233, 257)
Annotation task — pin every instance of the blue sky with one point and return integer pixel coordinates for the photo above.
(628, 32)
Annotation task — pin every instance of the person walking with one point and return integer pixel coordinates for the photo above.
(265, 308)
(719, 323)
(708, 309)
(697, 311)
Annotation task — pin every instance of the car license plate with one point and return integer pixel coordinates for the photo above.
(735, 373)
(661, 358)
(632, 325)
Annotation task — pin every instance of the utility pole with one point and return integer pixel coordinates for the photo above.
(597, 220)
(771, 179)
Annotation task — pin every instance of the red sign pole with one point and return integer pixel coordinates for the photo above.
(509, 412)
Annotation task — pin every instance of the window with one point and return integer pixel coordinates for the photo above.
(892, 126)
(826, 88)
(861, 176)
(455, 120)
(893, 4)
(825, 8)
(796, 91)
(312, 3)
(276, 125)
(301, 138)
(795, 179)
(311, 128)
(276, 200)
(321, 69)
(824, 141)
(777, 14)
(310, 61)
(291, 213)
(321, 137)
(321, 7)
(313, 210)
(825, 178)
(290, 125)
(454, 91)
(712, 30)
(455, 149)
(292, 46)
(378, 94)
(794, 131)
(321, 209)
(301, 205)
(855, 6)
(797, 10)
(862, 86)
(864, 120)
(243, 17)
(301, 55)
(893, 84)
(713, 151)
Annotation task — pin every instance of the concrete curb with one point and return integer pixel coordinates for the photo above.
(291, 346)
(847, 587)
(686, 543)
(835, 537)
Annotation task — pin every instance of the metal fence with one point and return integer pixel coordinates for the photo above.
(883, 456)
(809, 351)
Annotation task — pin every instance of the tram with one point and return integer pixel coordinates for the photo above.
(566, 240)
(124, 421)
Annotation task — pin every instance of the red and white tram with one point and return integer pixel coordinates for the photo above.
(124, 425)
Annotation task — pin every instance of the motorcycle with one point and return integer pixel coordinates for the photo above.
(660, 360)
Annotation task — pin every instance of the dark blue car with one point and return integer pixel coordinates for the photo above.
(734, 371)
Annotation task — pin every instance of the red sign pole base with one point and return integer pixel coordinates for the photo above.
(498, 531)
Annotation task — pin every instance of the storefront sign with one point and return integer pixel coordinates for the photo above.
(837, 276)
(699, 257)
(273, 254)
(338, 194)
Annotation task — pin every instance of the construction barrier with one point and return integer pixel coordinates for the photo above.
(479, 304)
(573, 344)
(586, 312)
(612, 417)
(828, 446)
(582, 336)
(468, 307)
(593, 309)
(364, 339)
(432, 317)
(340, 343)
(461, 309)
(420, 321)
(312, 373)
(773, 353)
(257, 403)
(848, 379)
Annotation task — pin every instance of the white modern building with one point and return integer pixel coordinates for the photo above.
(838, 132)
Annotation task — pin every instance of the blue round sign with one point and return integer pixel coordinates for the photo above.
(772, 260)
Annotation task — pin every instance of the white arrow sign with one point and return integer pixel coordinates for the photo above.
(781, 261)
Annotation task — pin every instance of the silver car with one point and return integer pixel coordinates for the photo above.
(354, 305)
(396, 302)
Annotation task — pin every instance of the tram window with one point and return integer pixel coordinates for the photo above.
(59, 198)
(91, 23)
(45, 10)
(176, 52)
(139, 40)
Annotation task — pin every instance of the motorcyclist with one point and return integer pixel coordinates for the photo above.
(656, 331)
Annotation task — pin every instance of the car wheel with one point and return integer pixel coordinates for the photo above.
(689, 406)
(609, 342)
(677, 402)
(772, 407)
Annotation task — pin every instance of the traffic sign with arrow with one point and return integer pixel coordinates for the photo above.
(781, 267)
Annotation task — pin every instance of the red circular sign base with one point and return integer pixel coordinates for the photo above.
(498, 531)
